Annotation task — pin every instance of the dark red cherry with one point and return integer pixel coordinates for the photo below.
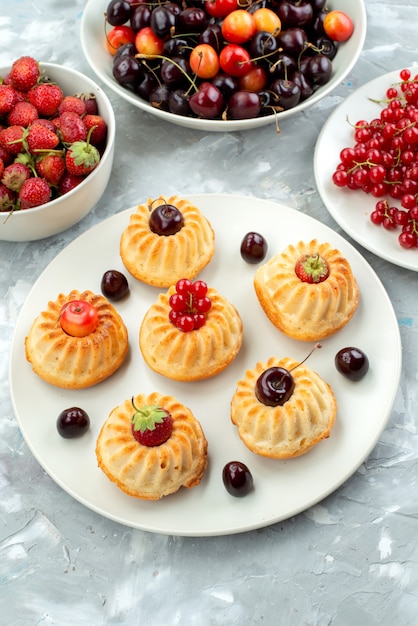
(237, 479)
(253, 247)
(114, 285)
(207, 102)
(274, 386)
(352, 363)
(166, 220)
(73, 422)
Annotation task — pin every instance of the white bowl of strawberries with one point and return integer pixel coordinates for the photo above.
(57, 141)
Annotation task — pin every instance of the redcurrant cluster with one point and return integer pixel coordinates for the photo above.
(384, 161)
(189, 305)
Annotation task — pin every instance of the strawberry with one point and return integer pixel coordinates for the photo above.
(71, 127)
(22, 114)
(90, 102)
(14, 176)
(42, 121)
(7, 198)
(81, 158)
(11, 138)
(5, 155)
(51, 167)
(35, 191)
(74, 104)
(99, 133)
(46, 97)
(8, 98)
(1, 167)
(24, 73)
(312, 268)
(41, 138)
(151, 425)
(69, 182)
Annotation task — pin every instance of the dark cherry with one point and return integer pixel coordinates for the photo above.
(243, 105)
(114, 285)
(192, 20)
(288, 93)
(319, 69)
(226, 84)
(73, 422)
(176, 47)
(283, 66)
(212, 35)
(207, 102)
(146, 86)
(352, 363)
(162, 21)
(274, 386)
(159, 97)
(253, 247)
(174, 72)
(295, 13)
(141, 17)
(326, 46)
(237, 479)
(262, 44)
(126, 70)
(293, 41)
(166, 220)
(118, 12)
(178, 103)
(305, 87)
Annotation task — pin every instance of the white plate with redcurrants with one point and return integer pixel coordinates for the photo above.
(366, 166)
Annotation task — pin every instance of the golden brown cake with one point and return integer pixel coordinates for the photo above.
(161, 260)
(152, 472)
(305, 310)
(76, 362)
(195, 355)
(290, 430)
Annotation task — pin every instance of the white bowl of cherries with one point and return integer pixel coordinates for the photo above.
(223, 65)
(65, 117)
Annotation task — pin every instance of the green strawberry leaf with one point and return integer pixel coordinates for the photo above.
(148, 416)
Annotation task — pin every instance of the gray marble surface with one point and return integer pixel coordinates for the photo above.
(351, 559)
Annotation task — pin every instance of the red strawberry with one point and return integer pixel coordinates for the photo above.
(14, 176)
(52, 168)
(81, 158)
(99, 132)
(35, 191)
(24, 73)
(71, 127)
(7, 198)
(312, 268)
(11, 138)
(69, 182)
(41, 138)
(151, 425)
(22, 114)
(74, 104)
(6, 156)
(46, 97)
(42, 121)
(8, 98)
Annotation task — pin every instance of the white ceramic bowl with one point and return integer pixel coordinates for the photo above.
(97, 55)
(63, 212)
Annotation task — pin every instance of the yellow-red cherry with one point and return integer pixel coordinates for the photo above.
(338, 25)
(78, 318)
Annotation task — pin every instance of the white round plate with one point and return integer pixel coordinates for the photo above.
(351, 209)
(282, 488)
(94, 48)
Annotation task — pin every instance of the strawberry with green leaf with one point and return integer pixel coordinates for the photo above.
(82, 157)
(312, 268)
(152, 425)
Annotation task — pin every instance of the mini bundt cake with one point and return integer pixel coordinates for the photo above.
(288, 429)
(166, 238)
(137, 462)
(195, 354)
(308, 291)
(76, 362)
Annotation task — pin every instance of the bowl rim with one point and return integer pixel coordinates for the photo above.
(205, 125)
(109, 143)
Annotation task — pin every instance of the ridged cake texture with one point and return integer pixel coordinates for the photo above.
(195, 355)
(152, 472)
(161, 260)
(290, 430)
(76, 362)
(302, 310)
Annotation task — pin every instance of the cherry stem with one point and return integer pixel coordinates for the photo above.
(316, 346)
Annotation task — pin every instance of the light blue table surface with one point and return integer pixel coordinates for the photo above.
(351, 560)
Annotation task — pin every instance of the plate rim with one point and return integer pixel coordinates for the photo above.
(241, 527)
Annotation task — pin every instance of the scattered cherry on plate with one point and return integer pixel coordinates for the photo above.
(114, 285)
(253, 247)
(352, 363)
(237, 479)
(73, 423)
